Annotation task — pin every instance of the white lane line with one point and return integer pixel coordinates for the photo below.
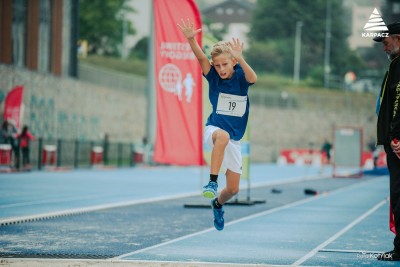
(194, 263)
(74, 198)
(17, 262)
(293, 204)
(290, 205)
(162, 244)
(50, 201)
(351, 251)
(338, 234)
(69, 212)
(290, 180)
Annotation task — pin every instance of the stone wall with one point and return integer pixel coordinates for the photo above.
(304, 120)
(70, 109)
(273, 129)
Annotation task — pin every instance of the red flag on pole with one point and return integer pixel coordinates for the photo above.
(13, 106)
(178, 82)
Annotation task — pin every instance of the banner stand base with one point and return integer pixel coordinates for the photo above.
(235, 202)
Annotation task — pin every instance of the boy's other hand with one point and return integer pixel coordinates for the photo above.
(188, 29)
(236, 48)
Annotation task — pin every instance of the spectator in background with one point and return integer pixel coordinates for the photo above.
(9, 136)
(106, 143)
(326, 147)
(375, 154)
(376, 150)
(5, 136)
(24, 139)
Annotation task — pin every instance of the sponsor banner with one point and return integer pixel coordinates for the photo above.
(302, 156)
(178, 86)
(316, 157)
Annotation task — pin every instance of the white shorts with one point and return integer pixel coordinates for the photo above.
(232, 156)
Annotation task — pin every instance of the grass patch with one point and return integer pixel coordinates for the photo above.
(278, 83)
(266, 81)
(130, 65)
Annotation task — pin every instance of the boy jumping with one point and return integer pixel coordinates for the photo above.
(229, 77)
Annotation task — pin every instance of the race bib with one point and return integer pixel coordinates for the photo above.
(231, 105)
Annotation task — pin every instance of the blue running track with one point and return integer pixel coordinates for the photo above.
(346, 226)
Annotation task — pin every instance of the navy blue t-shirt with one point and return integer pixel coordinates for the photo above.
(237, 85)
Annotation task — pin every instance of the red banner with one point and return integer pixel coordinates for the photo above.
(178, 86)
(303, 155)
(13, 106)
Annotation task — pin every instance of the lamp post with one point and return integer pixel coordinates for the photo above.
(124, 31)
(297, 53)
(327, 67)
(124, 53)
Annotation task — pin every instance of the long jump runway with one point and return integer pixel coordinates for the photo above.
(295, 234)
(345, 225)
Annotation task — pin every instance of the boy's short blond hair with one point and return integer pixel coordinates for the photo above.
(220, 48)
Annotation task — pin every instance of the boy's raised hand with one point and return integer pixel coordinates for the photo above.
(188, 29)
(236, 48)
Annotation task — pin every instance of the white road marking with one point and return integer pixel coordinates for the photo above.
(341, 232)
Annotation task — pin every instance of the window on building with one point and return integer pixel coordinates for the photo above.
(230, 11)
(19, 32)
(44, 36)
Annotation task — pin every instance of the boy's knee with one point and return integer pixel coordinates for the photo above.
(221, 137)
(233, 191)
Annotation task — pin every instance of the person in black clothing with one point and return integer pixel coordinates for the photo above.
(388, 126)
(326, 147)
(8, 135)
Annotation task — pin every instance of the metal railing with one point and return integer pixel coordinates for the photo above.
(79, 154)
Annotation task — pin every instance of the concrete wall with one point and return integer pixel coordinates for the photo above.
(71, 109)
(298, 120)
(273, 129)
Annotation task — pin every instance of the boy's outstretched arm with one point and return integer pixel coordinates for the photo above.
(236, 52)
(190, 33)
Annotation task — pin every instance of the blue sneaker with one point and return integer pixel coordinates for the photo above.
(218, 216)
(210, 190)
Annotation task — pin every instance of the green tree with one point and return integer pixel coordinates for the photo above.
(276, 24)
(140, 50)
(268, 56)
(101, 23)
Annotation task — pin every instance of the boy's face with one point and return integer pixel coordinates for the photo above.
(224, 64)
